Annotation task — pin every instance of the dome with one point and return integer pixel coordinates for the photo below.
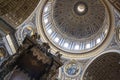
(76, 26)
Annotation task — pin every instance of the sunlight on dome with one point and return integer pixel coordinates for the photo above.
(98, 40)
(46, 21)
(46, 9)
(106, 31)
(56, 39)
(87, 46)
(49, 31)
(81, 8)
(76, 47)
(66, 45)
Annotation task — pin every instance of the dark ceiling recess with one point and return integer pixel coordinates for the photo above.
(16, 11)
(105, 67)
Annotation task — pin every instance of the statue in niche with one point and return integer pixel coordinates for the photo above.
(2, 53)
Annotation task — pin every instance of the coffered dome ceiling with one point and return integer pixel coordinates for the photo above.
(76, 26)
(78, 19)
(104, 67)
